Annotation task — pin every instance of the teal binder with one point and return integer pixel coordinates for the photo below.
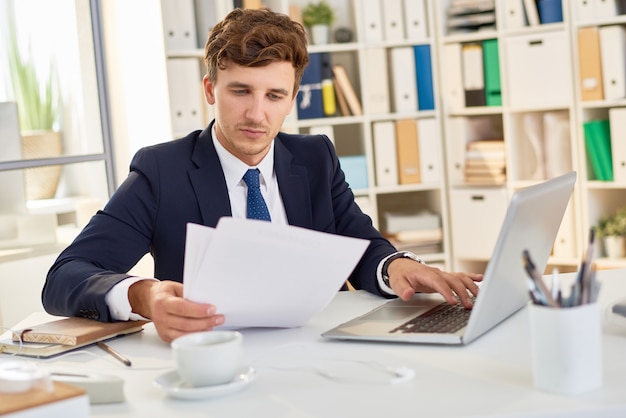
(491, 64)
(598, 146)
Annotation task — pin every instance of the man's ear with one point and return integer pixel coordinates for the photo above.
(209, 93)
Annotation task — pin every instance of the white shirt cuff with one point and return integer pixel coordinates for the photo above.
(118, 303)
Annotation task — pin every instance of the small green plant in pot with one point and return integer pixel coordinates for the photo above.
(612, 230)
(318, 17)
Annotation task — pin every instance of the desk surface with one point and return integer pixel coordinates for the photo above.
(490, 377)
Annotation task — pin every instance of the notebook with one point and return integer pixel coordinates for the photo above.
(531, 222)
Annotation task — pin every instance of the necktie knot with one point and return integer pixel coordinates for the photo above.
(257, 209)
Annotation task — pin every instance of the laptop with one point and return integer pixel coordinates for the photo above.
(531, 222)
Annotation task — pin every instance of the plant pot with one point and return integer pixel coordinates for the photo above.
(614, 246)
(320, 34)
(42, 182)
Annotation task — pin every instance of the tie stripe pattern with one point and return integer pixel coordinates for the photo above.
(257, 209)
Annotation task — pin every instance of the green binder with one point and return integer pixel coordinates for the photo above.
(598, 146)
(491, 64)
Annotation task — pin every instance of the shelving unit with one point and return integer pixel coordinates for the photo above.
(538, 113)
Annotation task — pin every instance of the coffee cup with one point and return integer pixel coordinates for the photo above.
(208, 358)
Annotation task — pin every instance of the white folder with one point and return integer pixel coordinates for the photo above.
(454, 94)
(613, 51)
(393, 21)
(415, 22)
(456, 142)
(186, 96)
(514, 14)
(377, 81)
(585, 10)
(430, 150)
(403, 81)
(179, 25)
(372, 20)
(385, 152)
(617, 121)
(604, 9)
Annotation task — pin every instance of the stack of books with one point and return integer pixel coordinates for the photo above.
(419, 232)
(485, 162)
(471, 15)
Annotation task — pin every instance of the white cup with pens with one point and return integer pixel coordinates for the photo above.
(565, 332)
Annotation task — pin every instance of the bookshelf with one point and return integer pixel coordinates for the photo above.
(505, 81)
(531, 102)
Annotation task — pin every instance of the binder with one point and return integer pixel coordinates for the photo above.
(328, 88)
(598, 146)
(179, 25)
(454, 97)
(613, 52)
(385, 153)
(404, 86)
(407, 147)
(605, 9)
(344, 84)
(473, 74)
(393, 21)
(491, 64)
(532, 15)
(186, 96)
(377, 81)
(550, 11)
(590, 64)
(429, 150)
(557, 143)
(617, 123)
(585, 10)
(309, 101)
(372, 20)
(456, 134)
(424, 77)
(514, 14)
(355, 169)
(415, 22)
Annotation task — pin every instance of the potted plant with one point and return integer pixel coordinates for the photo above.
(318, 17)
(38, 106)
(612, 230)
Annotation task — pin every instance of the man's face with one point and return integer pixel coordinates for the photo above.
(250, 105)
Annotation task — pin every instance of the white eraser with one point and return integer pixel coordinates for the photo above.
(101, 388)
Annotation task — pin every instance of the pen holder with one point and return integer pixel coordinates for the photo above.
(566, 348)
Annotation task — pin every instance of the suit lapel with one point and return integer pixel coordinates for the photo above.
(294, 187)
(208, 180)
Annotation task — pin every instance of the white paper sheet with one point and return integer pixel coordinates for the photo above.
(260, 274)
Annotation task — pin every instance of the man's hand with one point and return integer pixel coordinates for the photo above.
(407, 277)
(173, 316)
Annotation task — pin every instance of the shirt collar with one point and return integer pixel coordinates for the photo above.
(234, 168)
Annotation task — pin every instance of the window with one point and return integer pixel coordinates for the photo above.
(57, 170)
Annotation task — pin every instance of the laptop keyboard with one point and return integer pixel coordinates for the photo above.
(441, 319)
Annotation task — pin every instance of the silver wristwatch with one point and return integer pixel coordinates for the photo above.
(401, 254)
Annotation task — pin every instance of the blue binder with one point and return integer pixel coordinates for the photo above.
(309, 100)
(550, 11)
(424, 76)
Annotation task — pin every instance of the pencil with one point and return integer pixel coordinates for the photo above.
(114, 353)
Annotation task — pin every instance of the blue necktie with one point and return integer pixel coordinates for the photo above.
(257, 209)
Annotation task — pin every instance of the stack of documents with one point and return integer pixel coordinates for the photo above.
(260, 274)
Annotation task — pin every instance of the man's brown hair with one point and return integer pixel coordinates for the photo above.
(255, 38)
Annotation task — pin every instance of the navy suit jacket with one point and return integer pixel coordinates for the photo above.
(181, 181)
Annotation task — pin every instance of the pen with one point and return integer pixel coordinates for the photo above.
(114, 353)
(532, 272)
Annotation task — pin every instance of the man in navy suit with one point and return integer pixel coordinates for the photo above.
(255, 60)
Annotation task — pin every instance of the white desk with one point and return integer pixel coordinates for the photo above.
(490, 377)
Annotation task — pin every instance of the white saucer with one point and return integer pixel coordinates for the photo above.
(174, 386)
